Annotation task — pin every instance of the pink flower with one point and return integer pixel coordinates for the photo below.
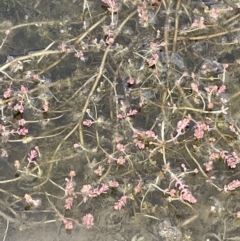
(232, 185)
(153, 60)
(221, 89)
(63, 47)
(172, 192)
(28, 198)
(140, 145)
(87, 122)
(68, 203)
(69, 189)
(137, 188)
(36, 76)
(34, 202)
(24, 90)
(7, 93)
(183, 166)
(88, 191)
(210, 105)
(231, 161)
(109, 40)
(88, 221)
(120, 203)
(76, 145)
(154, 46)
(22, 131)
(194, 87)
(85, 191)
(211, 89)
(103, 189)
(68, 224)
(214, 13)
(199, 129)
(150, 134)
(120, 116)
(225, 66)
(181, 125)
(198, 133)
(130, 81)
(99, 170)
(113, 184)
(198, 23)
(79, 55)
(21, 122)
(112, 5)
(143, 15)
(18, 107)
(45, 106)
(32, 155)
(4, 153)
(132, 112)
(120, 147)
(121, 160)
(186, 195)
(208, 166)
(213, 155)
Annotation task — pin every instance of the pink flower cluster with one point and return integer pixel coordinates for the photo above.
(4, 153)
(120, 203)
(68, 203)
(152, 61)
(124, 113)
(143, 15)
(121, 160)
(214, 12)
(32, 156)
(185, 193)
(231, 159)
(120, 147)
(88, 191)
(214, 89)
(70, 184)
(200, 128)
(128, 114)
(32, 202)
(69, 190)
(68, 224)
(79, 54)
(88, 221)
(99, 170)
(149, 134)
(181, 125)
(198, 23)
(139, 144)
(88, 122)
(19, 106)
(7, 93)
(208, 165)
(232, 185)
(112, 5)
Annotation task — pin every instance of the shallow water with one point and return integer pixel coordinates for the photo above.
(139, 98)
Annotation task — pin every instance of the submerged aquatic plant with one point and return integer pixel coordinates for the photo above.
(133, 105)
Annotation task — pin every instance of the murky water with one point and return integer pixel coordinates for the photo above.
(119, 120)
